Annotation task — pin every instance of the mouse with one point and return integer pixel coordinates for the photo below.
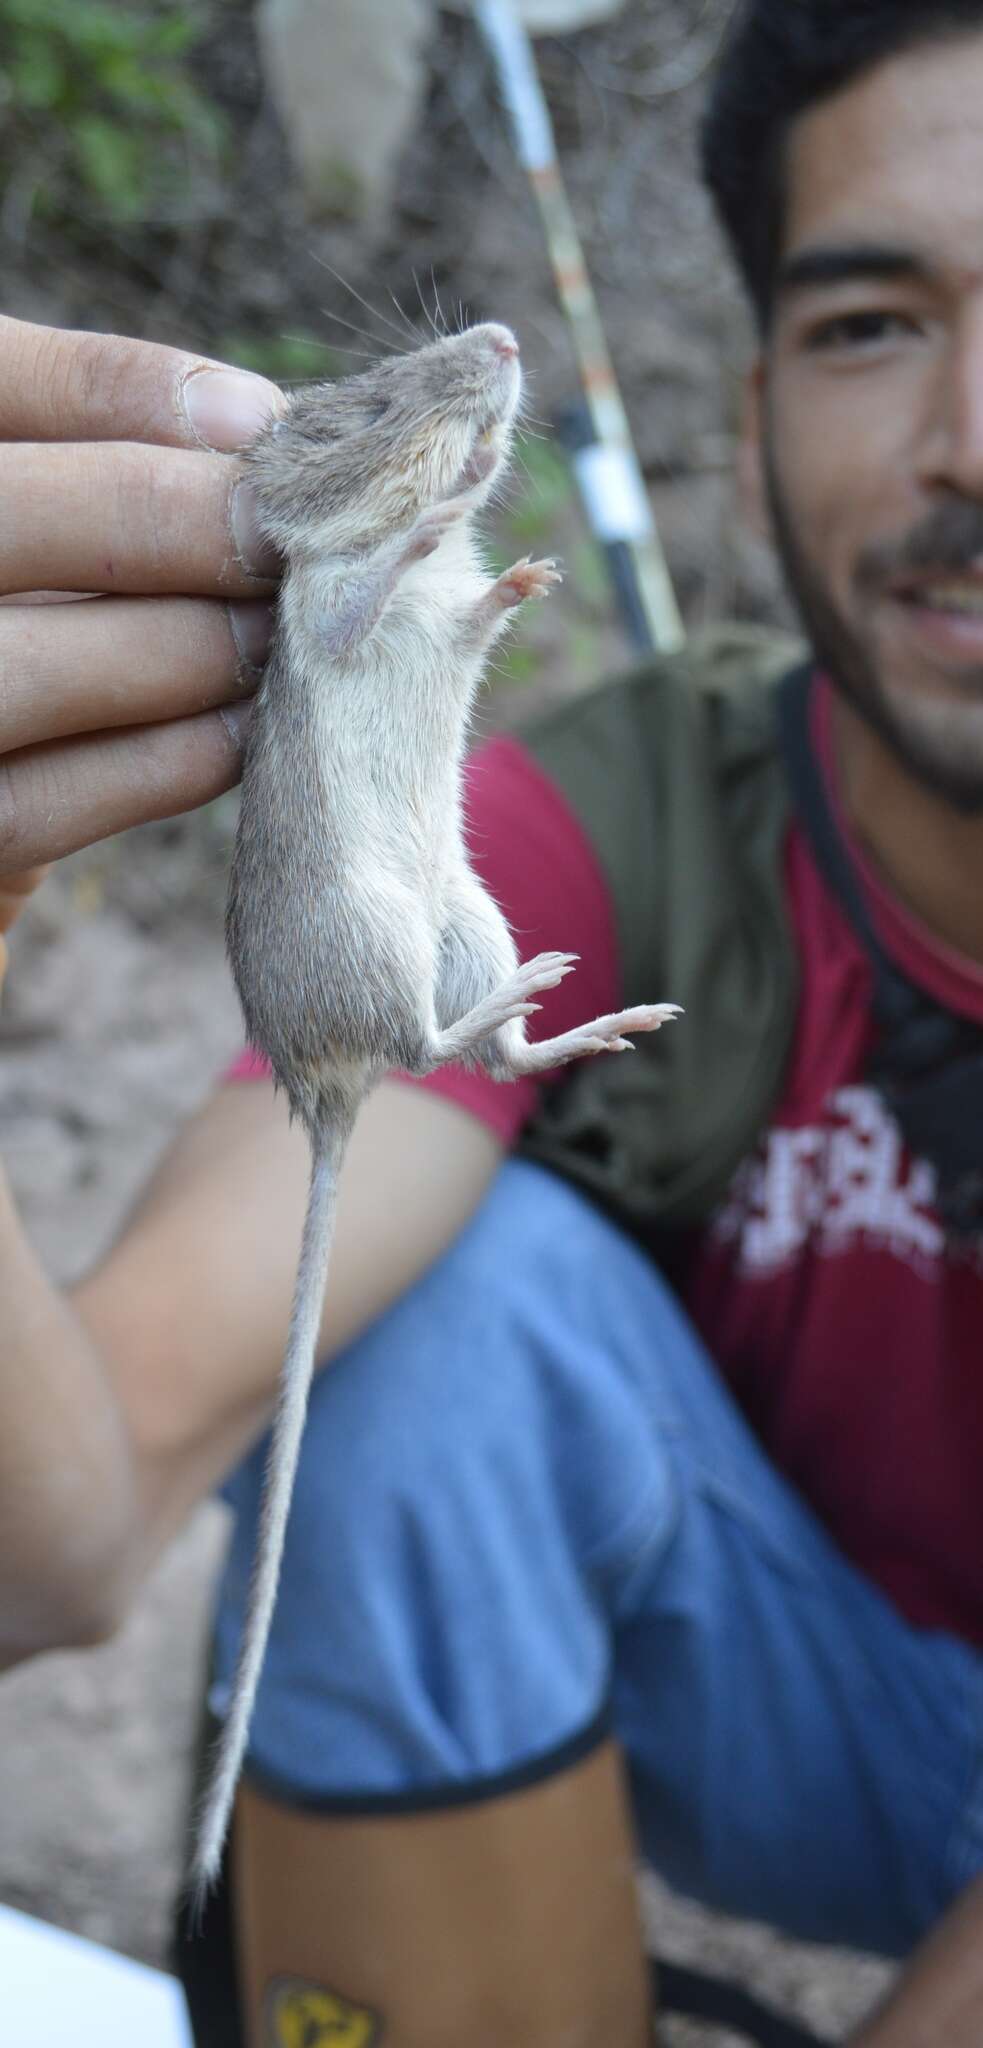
(359, 937)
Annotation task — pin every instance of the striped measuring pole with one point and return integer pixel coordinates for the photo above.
(602, 449)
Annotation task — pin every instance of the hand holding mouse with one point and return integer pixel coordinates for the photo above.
(117, 464)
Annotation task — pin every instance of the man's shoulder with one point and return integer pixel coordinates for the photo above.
(715, 693)
(663, 764)
(737, 660)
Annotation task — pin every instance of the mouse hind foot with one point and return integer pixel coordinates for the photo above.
(492, 1034)
(510, 1057)
(469, 1037)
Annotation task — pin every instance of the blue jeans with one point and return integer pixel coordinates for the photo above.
(528, 1514)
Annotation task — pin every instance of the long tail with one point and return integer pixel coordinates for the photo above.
(288, 1429)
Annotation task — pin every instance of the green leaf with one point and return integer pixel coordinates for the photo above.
(37, 75)
(112, 79)
(173, 36)
(112, 163)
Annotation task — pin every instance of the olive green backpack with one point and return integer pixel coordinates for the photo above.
(675, 775)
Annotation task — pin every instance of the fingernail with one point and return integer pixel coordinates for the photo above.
(226, 409)
(236, 719)
(254, 552)
(252, 626)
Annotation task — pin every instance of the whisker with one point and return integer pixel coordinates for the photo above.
(433, 280)
(428, 316)
(329, 349)
(527, 420)
(363, 331)
(414, 331)
(340, 348)
(542, 432)
(350, 288)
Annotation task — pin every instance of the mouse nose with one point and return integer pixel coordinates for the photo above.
(502, 340)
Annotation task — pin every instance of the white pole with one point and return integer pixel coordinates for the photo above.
(609, 471)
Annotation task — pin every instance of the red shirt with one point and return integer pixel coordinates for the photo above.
(849, 1330)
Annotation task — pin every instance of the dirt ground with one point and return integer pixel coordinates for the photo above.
(120, 1012)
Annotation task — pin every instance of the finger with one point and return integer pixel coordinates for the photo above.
(64, 386)
(117, 517)
(118, 661)
(14, 892)
(69, 793)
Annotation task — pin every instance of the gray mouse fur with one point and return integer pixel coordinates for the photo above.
(359, 937)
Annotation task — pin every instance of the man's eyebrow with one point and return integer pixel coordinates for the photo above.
(832, 263)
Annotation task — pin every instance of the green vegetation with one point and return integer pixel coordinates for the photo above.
(544, 487)
(98, 111)
(287, 358)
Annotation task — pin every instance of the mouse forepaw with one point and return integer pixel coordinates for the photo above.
(427, 532)
(526, 579)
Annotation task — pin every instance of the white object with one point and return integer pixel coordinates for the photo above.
(553, 17)
(56, 1988)
(347, 77)
(613, 493)
(507, 35)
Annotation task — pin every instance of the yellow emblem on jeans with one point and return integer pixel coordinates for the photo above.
(303, 2015)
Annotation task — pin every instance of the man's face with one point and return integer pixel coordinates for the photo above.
(872, 402)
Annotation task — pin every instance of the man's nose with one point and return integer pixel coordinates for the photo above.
(953, 443)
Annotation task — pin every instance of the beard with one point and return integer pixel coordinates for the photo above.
(937, 739)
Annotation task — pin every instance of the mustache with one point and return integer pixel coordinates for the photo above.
(951, 538)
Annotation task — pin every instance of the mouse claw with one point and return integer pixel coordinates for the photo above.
(526, 579)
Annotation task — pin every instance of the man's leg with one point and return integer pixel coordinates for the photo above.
(435, 1826)
(523, 1495)
(511, 1921)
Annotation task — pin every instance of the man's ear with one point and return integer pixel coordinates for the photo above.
(752, 495)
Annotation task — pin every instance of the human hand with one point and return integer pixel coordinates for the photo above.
(130, 703)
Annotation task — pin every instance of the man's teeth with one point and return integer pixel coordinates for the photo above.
(952, 597)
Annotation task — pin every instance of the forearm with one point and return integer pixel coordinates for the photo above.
(938, 1998)
(122, 1407)
(66, 1475)
(190, 1309)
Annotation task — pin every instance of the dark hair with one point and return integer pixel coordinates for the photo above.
(781, 57)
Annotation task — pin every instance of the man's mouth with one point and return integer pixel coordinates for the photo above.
(965, 597)
(941, 614)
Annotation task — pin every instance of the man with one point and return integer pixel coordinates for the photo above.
(535, 1541)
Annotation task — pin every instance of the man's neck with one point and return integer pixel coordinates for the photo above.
(928, 853)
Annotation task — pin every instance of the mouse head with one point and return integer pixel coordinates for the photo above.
(355, 461)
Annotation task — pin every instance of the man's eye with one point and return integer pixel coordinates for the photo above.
(861, 331)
